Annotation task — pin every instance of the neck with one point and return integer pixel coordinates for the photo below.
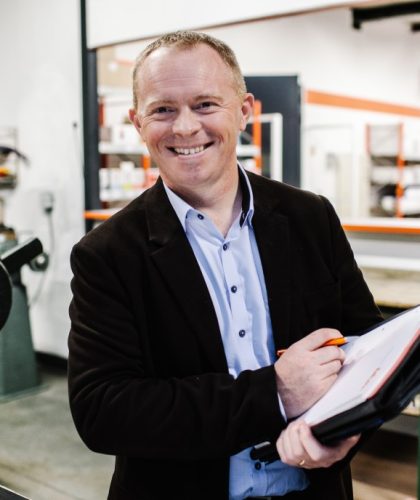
(222, 203)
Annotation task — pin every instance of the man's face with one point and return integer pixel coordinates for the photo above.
(189, 114)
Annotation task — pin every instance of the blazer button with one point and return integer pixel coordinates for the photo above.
(242, 333)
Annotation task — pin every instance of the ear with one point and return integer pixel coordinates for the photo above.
(246, 110)
(134, 119)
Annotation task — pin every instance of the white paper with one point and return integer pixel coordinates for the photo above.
(370, 361)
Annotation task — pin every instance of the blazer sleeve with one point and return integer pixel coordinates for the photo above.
(359, 310)
(120, 407)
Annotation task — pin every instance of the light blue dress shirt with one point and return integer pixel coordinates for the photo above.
(232, 270)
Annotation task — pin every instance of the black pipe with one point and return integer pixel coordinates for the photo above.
(90, 119)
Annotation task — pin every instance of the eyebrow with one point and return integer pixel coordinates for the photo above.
(170, 102)
(160, 102)
(208, 97)
(212, 98)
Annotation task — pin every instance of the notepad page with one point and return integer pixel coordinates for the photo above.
(370, 361)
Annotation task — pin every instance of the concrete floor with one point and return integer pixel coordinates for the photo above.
(42, 457)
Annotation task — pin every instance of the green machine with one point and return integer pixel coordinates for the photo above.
(18, 370)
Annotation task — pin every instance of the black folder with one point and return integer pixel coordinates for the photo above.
(393, 397)
(398, 388)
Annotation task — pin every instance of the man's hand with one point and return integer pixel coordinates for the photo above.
(307, 370)
(298, 447)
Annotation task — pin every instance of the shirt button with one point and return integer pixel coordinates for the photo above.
(242, 333)
(234, 289)
(201, 217)
(225, 246)
(257, 465)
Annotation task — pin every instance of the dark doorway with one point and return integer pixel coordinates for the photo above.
(281, 94)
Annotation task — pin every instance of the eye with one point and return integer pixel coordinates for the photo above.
(206, 106)
(161, 110)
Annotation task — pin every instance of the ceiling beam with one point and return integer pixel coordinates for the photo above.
(366, 14)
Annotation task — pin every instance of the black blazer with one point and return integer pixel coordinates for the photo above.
(148, 378)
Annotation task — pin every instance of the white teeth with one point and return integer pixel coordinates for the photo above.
(189, 151)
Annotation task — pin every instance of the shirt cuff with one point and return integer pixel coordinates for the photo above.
(282, 410)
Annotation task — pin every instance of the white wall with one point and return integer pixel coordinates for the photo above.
(112, 22)
(40, 95)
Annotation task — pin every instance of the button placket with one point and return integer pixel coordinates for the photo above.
(240, 326)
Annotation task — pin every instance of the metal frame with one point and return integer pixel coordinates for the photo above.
(276, 143)
(90, 119)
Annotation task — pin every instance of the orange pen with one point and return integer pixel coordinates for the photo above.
(339, 341)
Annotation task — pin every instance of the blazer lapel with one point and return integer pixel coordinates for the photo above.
(175, 260)
(273, 238)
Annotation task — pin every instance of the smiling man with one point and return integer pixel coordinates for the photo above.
(182, 299)
(189, 112)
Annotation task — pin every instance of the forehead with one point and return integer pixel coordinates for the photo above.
(181, 70)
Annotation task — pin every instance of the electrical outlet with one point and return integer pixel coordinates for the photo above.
(47, 201)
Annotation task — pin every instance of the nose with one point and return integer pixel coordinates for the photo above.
(186, 122)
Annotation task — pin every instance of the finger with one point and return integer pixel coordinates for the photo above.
(287, 447)
(338, 452)
(303, 460)
(329, 369)
(347, 444)
(280, 447)
(294, 442)
(317, 338)
(316, 452)
(325, 456)
(329, 353)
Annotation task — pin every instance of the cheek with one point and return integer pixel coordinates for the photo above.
(226, 124)
(151, 133)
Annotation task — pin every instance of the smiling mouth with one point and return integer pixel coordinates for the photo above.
(190, 151)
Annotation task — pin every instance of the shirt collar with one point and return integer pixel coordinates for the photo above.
(247, 197)
(182, 208)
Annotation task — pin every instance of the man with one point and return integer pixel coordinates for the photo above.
(182, 299)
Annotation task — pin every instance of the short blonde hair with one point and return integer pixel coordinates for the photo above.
(185, 40)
